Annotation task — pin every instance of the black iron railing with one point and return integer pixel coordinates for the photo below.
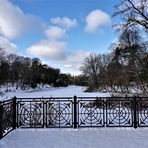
(73, 112)
(7, 116)
(47, 112)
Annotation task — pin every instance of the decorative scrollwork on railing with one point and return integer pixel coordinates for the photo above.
(119, 113)
(59, 113)
(7, 116)
(30, 114)
(143, 113)
(90, 113)
(73, 112)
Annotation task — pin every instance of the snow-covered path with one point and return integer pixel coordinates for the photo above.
(80, 138)
(69, 91)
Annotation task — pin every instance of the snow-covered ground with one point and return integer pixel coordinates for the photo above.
(48, 91)
(80, 138)
(71, 138)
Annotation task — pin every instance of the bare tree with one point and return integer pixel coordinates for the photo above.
(91, 68)
(133, 13)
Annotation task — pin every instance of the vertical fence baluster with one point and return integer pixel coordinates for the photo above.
(44, 114)
(14, 113)
(135, 111)
(75, 111)
(1, 120)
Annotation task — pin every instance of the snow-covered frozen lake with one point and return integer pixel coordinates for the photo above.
(79, 138)
(69, 91)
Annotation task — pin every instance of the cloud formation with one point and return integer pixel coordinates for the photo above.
(64, 22)
(8, 46)
(13, 21)
(54, 46)
(55, 33)
(73, 61)
(51, 48)
(96, 19)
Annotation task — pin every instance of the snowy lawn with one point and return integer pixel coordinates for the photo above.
(69, 91)
(79, 138)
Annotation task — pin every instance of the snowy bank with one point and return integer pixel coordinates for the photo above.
(69, 91)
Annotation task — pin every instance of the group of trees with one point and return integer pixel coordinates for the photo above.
(26, 72)
(127, 64)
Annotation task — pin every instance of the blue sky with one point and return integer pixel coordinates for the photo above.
(59, 32)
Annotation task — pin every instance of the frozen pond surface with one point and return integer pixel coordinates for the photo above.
(69, 91)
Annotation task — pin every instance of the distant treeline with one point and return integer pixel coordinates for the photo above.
(26, 72)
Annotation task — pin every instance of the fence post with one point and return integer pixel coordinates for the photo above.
(14, 113)
(135, 111)
(1, 120)
(75, 111)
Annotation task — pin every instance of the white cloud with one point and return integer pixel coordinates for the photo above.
(64, 22)
(13, 21)
(95, 19)
(72, 63)
(7, 45)
(55, 33)
(51, 48)
(54, 51)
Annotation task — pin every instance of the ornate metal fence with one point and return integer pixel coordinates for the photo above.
(7, 116)
(91, 112)
(142, 112)
(73, 112)
(47, 112)
(59, 113)
(119, 112)
(30, 113)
